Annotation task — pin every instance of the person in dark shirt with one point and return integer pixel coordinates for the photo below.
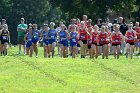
(123, 29)
(98, 23)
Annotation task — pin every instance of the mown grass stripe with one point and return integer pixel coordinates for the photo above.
(123, 77)
(31, 64)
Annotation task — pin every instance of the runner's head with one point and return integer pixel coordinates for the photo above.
(35, 26)
(3, 21)
(84, 17)
(60, 23)
(45, 27)
(90, 30)
(116, 27)
(96, 28)
(73, 28)
(52, 24)
(73, 21)
(137, 24)
(120, 19)
(30, 28)
(30, 25)
(5, 27)
(89, 21)
(82, 24)
(22, 20)
(63, 27)
(103, 29)
(130, 26)
(99, 21)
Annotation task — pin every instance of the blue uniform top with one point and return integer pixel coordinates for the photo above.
(29, 38)
(52, 34)
(73, 36)
(63, 35)
(36, 34)
(44, 35)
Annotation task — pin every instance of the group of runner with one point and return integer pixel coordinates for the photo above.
(80, 37)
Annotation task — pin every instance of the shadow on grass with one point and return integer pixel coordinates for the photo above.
(49, 75)
(116, 73)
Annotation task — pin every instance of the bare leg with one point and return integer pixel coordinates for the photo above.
(74, 52)
(118, 51)
(19, 48)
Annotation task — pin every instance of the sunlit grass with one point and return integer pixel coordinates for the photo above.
(22, 74)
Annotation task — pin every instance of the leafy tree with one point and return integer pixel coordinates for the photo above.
(34, 11)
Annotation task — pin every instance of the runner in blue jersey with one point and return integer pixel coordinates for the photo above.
(73, 41)
(35, 39)
(45, 41)
(28, 39)
(52, 35)
(63, 41)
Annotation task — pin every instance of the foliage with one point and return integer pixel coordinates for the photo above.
(40, 11)
(33, 11)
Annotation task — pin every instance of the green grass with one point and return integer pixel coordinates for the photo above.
(21, 74)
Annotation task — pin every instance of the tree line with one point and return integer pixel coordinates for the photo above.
(44, 11)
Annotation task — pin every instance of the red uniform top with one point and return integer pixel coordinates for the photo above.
(82, 34)
(116, 39)
(109, 33)
(130, 36)
(86, 23)
(137, 29)
(89, 39)
(79, 25)
(94, 37)
(102, 38)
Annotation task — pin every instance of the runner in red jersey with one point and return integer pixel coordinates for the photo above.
(137, 29)
(130, 39)
(83, 39)
(94, 42)
(73, 23)
(78, 23)
(116, 38)
(90, 24)
(85, 20)
(102, 42)
(108, 42)
(89, 41)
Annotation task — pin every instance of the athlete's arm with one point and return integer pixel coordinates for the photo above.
(125, 37)
(107, 37)
(122, 36)
(98, 38)
(41, 36)
(111, 35)
(135, 36)
(69, 27)
(68, 35)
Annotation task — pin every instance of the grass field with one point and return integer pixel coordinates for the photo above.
(21, 74)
